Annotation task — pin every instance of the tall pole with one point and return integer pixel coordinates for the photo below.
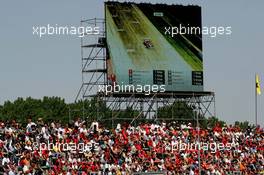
(199, 145)
(198, 132)
(256, 101)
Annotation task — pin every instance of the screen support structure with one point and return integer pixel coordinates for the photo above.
(201, 103)
(94, 74)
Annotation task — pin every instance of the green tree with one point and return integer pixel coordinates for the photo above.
(178, 110)
(243, 125)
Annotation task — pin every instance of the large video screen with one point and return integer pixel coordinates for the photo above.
(154, 44)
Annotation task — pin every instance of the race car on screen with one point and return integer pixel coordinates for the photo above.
(147, 43)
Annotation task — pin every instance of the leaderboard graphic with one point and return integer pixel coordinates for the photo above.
(143, 51)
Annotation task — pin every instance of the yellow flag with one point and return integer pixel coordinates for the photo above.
(258, 85)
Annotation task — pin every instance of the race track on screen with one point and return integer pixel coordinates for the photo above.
(126, 32)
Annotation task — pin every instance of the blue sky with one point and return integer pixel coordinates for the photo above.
(50, 66)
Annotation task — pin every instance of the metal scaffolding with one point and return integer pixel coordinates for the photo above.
(93, 59)
(203, 103)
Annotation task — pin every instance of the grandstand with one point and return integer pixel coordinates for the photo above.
(147, 148)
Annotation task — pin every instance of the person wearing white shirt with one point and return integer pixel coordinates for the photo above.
(191, 171)
(29, 125)
(5, 160)
(44, 132)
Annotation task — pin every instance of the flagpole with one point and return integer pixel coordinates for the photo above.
(256, 102)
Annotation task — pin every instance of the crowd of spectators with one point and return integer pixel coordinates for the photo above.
(78, 148)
